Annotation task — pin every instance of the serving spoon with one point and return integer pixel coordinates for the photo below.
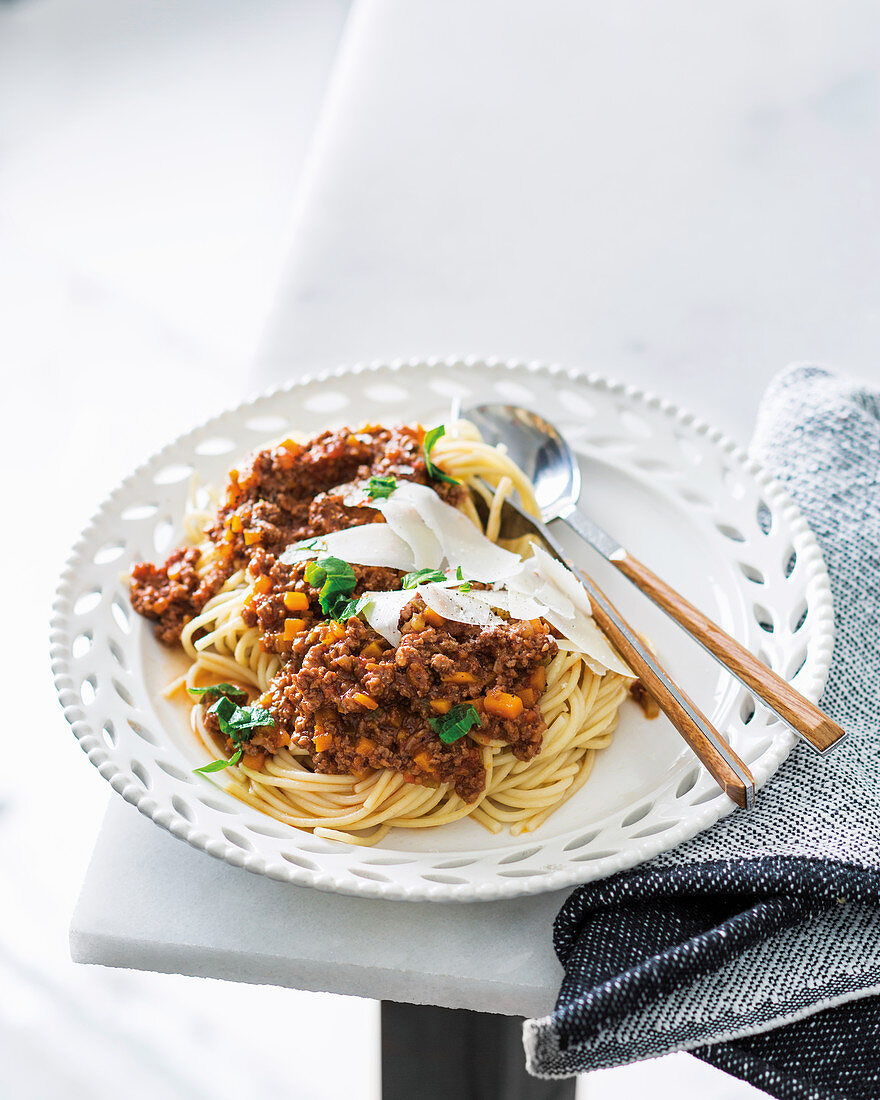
(541, 452)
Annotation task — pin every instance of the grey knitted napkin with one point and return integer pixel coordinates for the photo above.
(771, 916)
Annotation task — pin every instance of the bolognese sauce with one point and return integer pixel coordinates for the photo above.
(343, 694)
(286, 493)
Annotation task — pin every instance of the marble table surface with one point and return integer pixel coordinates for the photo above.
(151, 902)
(679, 195)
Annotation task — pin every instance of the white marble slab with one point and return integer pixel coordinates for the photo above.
(150, 902)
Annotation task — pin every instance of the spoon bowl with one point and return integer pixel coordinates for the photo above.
(539, 450)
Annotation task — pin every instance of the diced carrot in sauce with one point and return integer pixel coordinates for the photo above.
(263, 584)
(423, 760)
(538, 679)
(372, 650)
(236, 524)
(528, 696)
(251, 537)
(459, 678)
(292, 627)
(296, 601)
(322, 741)
(365, 700)
(442, 706)
(333, 632)
(321, 717)
(502, 704)
(433, 618)
(365, 745)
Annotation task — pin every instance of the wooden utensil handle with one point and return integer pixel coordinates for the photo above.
(740, 787)
(802, 715)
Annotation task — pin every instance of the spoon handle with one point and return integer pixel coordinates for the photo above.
(802, 715)
(722, 763)
(726, 768)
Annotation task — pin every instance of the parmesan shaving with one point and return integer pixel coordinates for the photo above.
(421, 531)
(383, 613)
(413, 508)
(369, 544)
(580, 627)
(460, 607)
(406, 522)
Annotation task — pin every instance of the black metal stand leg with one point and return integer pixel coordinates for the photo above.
(434, 1053)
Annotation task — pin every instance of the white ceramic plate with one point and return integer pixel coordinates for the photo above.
(678, 494)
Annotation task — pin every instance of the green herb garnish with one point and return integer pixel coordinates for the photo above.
(238, 724)
(435, 472)
(216, 690)
(421, 576)
(465, 586)
(312, 545)
(219, 765)
(453, 725)
(335, 581)
(381, 487)
(344, 609)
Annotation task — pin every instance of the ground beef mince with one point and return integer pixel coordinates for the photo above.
(458, 663)
(355, 703)
(283, 494)
(169, 593)
(281, 594)
(328, 512)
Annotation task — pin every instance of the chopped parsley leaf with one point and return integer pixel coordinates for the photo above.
(335, 581)
(213, 691)
(381, 487)
(421, 576)
(314, 544)
(465, 586)
(453, 725)
(435, 472)
(237, 723)
(219, 765)
(344, 609)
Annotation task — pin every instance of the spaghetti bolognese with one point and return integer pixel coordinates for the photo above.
(366, 655)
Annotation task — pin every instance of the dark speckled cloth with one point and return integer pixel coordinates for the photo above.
(756, 946)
